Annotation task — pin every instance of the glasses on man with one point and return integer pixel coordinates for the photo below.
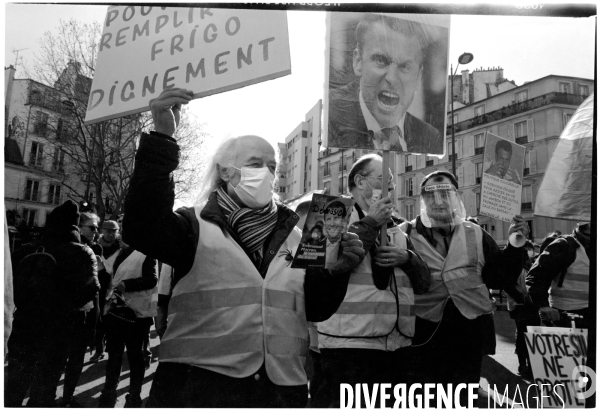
(93, 228)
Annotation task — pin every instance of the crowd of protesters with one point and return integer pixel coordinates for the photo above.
(239, 327)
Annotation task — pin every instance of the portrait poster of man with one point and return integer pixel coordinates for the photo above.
(326, 222)
(501, 184)
(386, 77)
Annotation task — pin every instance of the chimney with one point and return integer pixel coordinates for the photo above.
(9, 76)
(466, 87)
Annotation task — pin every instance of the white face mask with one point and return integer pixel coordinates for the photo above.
(375, 195)
(255, 188)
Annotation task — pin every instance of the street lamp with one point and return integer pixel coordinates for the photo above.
(462, 60)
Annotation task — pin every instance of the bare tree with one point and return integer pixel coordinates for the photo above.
(101, 155)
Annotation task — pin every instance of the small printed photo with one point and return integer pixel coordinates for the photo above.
(503, 159)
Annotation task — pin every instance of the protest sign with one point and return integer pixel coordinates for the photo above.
(557, 355)
(501, 183)
(363, 109)
(326, 222)
(146, 49)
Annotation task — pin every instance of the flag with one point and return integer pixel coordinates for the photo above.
(566, 189)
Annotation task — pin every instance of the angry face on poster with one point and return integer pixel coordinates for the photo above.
(372, 111)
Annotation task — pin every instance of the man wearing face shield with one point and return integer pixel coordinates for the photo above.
(237, 334)
(368, 338)
(558, 281)
(454, 318)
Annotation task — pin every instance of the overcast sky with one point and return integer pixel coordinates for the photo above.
(528, 48)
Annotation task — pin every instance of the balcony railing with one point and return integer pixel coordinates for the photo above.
(479, 151)
(477, 180)
(526, 206)
(429, 163)
(408, 168)
(526, 171)
(517, 108)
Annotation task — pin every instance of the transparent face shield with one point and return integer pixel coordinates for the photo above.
(441, 206)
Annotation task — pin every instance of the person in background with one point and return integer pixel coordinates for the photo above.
(454, 326)
(237, 334)
(524, 313)
(130, 307)
(558, 282)
(49, 321)
(109, 240)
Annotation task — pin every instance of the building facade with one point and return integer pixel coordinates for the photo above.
(298, 170)
(533, 115)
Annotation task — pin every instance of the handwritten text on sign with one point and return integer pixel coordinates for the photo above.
(146, 49)
(554, 354)
(500, 199)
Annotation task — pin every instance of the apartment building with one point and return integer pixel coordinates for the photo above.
(533, 114)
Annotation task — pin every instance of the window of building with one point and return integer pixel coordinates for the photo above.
(566, 118)
(326, 171)
(408, 187)
(282, 189)
(54, 194)
(408, 163)
(584, 90)
(36, 154)
(41, 123)
(32, 190)
(29, 217)
(58, 161)
(478, 172)
(479, 143)
(477, 201)
(521, 96)
(564, 87)
(526, 197)
(409, 211)
(449, 151)
(304, 134)
(485, 227)
(479, 110)
(36, 97)
(520, 129)
(527, 169)
(327, 187)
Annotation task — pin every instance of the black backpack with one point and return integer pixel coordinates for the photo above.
(35, 281)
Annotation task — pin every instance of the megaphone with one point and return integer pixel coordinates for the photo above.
(517, 239)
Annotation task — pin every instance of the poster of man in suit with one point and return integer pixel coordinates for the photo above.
(386, 77)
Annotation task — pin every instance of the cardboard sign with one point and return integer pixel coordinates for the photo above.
(326, 222)
(146, 49)
(363, 108)
(502, 180)
(555, 355)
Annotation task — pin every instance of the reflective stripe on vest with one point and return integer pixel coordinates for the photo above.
(574, 293)
(368, 312)
(225, 318)
(143, 302)
(458, 276)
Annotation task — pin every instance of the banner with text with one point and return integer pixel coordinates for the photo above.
(502, 180)
(557, 357)
(146, 49)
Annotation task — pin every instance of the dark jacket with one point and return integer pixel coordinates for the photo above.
(553, 261)
(77, 280)
(172, 237)
(347, 127)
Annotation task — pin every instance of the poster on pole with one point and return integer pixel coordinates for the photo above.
(558, 357)
(385, 81)
(326, 222)
(146, 49)
(502, 179)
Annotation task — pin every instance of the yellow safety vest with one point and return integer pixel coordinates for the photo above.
(224, 317)
(367, 317)
(574, 293)
(457, 276)
(143, 302)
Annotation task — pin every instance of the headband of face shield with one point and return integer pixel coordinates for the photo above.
(441, 206)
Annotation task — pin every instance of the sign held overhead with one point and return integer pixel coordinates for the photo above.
(145, 49)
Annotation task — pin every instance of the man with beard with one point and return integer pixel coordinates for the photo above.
(372, 111)
(558, 282)
(368, 339)
(454, 326)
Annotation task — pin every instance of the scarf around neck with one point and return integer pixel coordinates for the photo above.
(252, 226)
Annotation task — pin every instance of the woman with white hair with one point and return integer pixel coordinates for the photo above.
(237, 332)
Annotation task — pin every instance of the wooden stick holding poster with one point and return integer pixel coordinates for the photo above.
(146, 49)
(501, 184)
